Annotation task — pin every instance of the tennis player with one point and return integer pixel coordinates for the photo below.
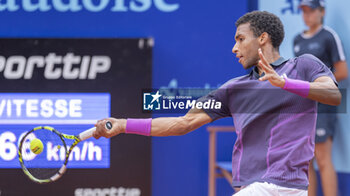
(324, 43)
(275, 134)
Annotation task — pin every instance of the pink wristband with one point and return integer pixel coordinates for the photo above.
(298, 87)
(139, 126)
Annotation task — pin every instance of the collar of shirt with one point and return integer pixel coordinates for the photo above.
(277, 63)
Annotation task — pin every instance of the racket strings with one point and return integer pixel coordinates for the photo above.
(47, 163)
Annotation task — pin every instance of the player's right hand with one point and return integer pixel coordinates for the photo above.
(118, 126)
(270, 73)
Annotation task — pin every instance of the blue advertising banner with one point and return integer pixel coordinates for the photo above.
(69, 113)
(87, 6)
(53, 108)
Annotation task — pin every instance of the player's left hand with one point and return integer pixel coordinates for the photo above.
(270, 73)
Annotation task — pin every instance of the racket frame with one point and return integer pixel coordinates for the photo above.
(77, 138)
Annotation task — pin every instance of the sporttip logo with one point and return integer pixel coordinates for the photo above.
(156, 102)
(69, 66)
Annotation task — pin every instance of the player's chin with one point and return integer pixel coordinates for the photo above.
(242, 63)
(246, 65)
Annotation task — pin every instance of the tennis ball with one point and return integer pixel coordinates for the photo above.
(36, 146)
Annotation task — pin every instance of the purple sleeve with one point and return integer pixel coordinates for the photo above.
(310, 68)
(219, 95)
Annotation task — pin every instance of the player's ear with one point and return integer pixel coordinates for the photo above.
(323, 12)
(263, 38)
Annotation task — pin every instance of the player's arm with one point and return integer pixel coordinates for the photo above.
(341, 70)
(322, 89)
(163, 126)
(173, 126)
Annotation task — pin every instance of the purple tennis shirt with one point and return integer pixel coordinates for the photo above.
(275, 128)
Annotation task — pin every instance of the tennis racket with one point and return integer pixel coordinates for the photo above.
(43, 168)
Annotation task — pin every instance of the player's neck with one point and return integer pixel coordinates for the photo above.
(271, 56)
(313, 29)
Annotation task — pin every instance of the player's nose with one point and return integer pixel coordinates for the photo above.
(235, 49)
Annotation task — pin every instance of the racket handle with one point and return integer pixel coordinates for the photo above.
(88, 133)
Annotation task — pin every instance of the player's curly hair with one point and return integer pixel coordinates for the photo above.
(262, 21)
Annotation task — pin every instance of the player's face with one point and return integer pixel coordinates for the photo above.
(312, 17)
(246, 47)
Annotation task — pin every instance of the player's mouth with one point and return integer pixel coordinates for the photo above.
(240, 59)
